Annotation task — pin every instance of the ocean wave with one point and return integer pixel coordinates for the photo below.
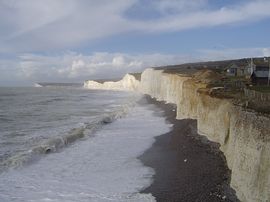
(45, 102)
(123, 197)
(57, 143)
(4, 119)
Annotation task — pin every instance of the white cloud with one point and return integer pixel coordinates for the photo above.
(77, 67)
(51, 25)
(266, 52)
(45, 25)
(118, 61)
(38, 25)
(249, 12)
(176, 6)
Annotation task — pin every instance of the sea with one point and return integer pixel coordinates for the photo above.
(70, 144)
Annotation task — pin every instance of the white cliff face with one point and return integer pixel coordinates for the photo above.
(244, 139)
(162, 86)
(151, 83)
(244, 136)
(250, 162)
(129, 82)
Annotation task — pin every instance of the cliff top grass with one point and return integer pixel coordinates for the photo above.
(136, 75)
(263, 89)
(105, 80)
(207, 76)
(182, 71)
(213, 65)
(226, 87)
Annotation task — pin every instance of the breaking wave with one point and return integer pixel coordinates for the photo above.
(57, 143)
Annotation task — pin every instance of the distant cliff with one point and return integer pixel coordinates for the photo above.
(244, 136)
(129, 82)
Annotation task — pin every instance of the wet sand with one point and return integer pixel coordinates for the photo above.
(188, 167)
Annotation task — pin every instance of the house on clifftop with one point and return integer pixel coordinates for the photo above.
(237, 70)
(257, 73)
(260, 75)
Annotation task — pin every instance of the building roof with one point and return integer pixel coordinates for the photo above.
(233, 66)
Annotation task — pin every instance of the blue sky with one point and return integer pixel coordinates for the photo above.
(74, 40)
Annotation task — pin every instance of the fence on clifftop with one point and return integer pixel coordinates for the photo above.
(257, 96)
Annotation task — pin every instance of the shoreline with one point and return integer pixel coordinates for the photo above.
(188, 167)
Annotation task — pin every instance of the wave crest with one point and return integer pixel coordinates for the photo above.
(57, 143)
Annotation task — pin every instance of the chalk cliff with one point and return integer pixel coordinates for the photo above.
(243, 135)
(129, 82)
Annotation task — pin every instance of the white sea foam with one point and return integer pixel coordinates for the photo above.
(102, 168)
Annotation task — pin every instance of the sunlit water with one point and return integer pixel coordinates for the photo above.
(71, 144)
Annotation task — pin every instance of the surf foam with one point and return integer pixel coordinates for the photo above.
(102, 168)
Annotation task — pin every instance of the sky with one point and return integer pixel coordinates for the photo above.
(76, 40)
